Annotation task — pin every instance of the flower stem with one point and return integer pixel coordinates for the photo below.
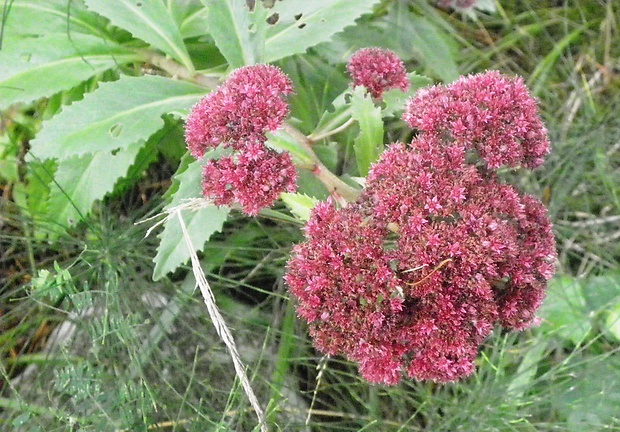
(178, 70)
(324, 135)
(329, 179)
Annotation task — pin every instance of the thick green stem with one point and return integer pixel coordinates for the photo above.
(329, 179)
(179, 71)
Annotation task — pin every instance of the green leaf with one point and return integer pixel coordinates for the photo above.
(116, 115)
(81, 180)
(590, 399)
(148, 20)
(564, 310)
(602, 291)
(280, 140)
(191, 18)
(613, 321)
(308, 184)
(369, 141)
(32, 194)
(417, 34)
(526, 373)
(238, 32)
(303, 24)
(201, 224)
(301, 205)
(52, 16)
(394, 100)
(39, 67)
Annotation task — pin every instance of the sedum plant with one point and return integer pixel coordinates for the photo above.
(411, 254)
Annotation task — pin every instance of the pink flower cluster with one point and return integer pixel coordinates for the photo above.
(411, 278)
(237, 115)
(490, 113)
(254, 178)
(378, 70)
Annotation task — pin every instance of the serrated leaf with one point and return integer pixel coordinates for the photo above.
(303, 24)
(52, 16)
(564, 310)
(369, 141)
(81, 180)
(201, 224)
(40, 67)
(116, 115)
(148, 20)
(301, 205)
(238, 32)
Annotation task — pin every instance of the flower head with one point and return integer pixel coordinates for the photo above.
(237, 115)
(378, 70)
(253, 178)
(489, 112)
(240, 111)
(410, 279)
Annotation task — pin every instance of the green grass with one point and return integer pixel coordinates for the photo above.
(145, 356)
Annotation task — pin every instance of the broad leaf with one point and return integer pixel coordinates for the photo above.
(190, 16)
(172, 251)
(39, 67)
(602, 291)
(238, 32)
(80, 181)
(148, 20)
(303, 24)
(52, 16)
(564, 310)
(591, 397)
(116, 115)
(369, 142)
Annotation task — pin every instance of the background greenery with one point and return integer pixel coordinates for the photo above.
(92, 96)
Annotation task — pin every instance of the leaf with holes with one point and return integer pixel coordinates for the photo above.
(302, 24)
(369, 142)
(115, 116)
(33, 68)
(238, 32)
(172, 251)
(81, 180)
(148, 20)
